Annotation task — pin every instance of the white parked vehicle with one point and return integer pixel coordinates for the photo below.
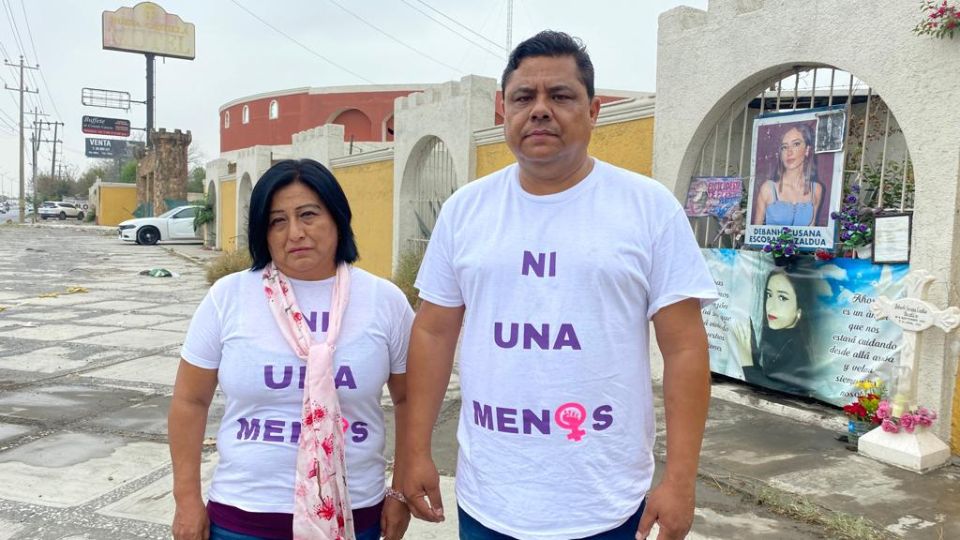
(174, 224)
(60, 210)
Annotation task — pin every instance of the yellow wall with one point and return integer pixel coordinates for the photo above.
(955, 418)
(116, 204)
(227, 215)
(492, 158)
(369, 189)
(624, 144)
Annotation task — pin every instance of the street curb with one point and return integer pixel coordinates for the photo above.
(748, 397)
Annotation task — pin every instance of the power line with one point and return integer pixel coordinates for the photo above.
(36, 58)
(12, 20)
(13, 26)
(441, 23)
(301, 45)
(461, 25)
(384, 32)
(7, 56)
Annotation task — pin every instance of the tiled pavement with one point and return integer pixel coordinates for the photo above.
(88, 356)
(86, 379)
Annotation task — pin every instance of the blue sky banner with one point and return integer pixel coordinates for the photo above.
(805, 329)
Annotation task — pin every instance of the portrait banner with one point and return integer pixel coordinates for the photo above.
(805, 329)
(791, 184)
(713, 196)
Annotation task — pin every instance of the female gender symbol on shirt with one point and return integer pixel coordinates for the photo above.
(571, 416)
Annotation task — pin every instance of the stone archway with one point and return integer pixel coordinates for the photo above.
(243, 209)
(429, 178)
(874, 152)
(706, 59)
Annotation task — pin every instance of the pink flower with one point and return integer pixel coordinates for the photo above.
(889, 426)
(327, 445)
(297, 316)
(908, 422)
(924, 420)
(883, 410)
(314, 465)
(269, 291)
(325, 508)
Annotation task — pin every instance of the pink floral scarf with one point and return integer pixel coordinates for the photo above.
(322, 503)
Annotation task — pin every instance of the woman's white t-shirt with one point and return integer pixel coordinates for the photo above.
(234, 332)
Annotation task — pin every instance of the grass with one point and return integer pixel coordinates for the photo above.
(406, 274)
(228, 263)
(838, 525)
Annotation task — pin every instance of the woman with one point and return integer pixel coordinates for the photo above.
(793, 196)
(783, 359)
(293, 407)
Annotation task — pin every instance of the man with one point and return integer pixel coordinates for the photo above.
(558, 263)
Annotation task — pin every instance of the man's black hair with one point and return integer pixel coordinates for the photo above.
(552, 43)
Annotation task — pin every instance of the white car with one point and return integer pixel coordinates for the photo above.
(60, 210)
(175, 224)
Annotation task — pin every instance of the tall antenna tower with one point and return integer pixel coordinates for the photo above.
(509, 27)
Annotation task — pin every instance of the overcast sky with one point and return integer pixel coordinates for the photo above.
(238, 55)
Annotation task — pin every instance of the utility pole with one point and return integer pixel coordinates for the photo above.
(35, 146)
(22, 89)
(55, 141)
(150, 97)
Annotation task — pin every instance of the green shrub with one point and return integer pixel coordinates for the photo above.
(406, 274)
(228, 263)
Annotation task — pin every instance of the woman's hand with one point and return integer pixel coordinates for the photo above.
(743, 333)
(394, 520)
(190, 521)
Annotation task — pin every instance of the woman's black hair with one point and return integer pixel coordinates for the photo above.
(553, 44)
(318, 178)
(803, 290)
(784, 358)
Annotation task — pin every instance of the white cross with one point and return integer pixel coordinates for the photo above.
(914, 315)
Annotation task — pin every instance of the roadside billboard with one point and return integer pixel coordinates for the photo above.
(98, 125)
(148, 28)
(110, 148)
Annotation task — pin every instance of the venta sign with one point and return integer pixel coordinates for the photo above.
(105, 148)
(98, 125)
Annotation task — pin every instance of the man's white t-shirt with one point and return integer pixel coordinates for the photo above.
(557, 424)
(234, 332)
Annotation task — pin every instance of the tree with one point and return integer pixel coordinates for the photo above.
(96, 172)
(128, 174)
(52, 188)
(196, 180)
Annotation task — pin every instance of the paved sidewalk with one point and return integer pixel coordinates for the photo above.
(88, 354)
